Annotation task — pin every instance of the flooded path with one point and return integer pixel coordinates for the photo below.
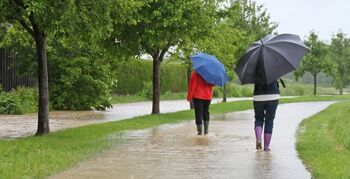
(14, 126)
(175, 151)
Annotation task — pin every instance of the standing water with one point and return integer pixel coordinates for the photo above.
(14, 126)
(174, 151)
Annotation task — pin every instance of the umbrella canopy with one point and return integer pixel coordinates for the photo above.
(209, 68)
(270, 58)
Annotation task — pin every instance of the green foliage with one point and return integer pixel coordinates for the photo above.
(251, 20)
(173, 78)
(26, 99)
(235, 28)
(295, 89)
(80, 83)
(234, 90)
(247, 91)
(340, 57)
(162, 24)
(132, 76)
(217, 92)
(146, 90)
(315, 61)
(19, 101)
(8, 104)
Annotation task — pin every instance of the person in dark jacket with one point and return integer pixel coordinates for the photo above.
(200, 92)
(265, 100)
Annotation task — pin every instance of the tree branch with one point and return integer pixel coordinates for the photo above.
(164, 50)
(26, 26)
(20, 7)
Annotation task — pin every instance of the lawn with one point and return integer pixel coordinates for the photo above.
(324, 142)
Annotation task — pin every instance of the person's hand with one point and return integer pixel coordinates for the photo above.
(189, 99)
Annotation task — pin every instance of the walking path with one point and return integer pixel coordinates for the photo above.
(174, 151)
(14, 126)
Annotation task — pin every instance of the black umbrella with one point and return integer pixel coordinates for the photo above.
(270, 58)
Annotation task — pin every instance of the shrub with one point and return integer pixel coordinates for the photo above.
(80, 83)
(146, 90)
(217, 92)
(133, 74)
(173, 78)
(247, 91)
(8, 104)
(19, 101)
(26, 99)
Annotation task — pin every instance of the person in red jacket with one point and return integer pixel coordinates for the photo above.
(200, 92)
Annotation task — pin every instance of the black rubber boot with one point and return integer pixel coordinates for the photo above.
(200, 129)
(206, 127)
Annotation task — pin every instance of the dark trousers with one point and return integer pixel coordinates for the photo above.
(201, 110)
(265, 112)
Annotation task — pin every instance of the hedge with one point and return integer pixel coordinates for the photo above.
(134, 76)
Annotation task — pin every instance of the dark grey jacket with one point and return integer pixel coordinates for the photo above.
(261, 89)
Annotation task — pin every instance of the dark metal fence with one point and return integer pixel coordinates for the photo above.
(8, 77)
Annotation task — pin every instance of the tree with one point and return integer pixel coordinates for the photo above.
(315, 60)
(50, 18)
(161, 24)
(340, 55)
(239, 25)
(221, 43)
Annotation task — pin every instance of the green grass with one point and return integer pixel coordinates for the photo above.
(297, 89)
(36, 157)
(127, 99)
(324, 142)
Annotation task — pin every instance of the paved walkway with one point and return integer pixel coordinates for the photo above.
(174, 151)
(14, 126)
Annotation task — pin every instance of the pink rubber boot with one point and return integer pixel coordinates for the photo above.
(258, 132)
(267, 140)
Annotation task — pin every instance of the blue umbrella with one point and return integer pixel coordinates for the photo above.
(209, 68)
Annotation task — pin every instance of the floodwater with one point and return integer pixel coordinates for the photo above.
(14, 126)
(175, 151)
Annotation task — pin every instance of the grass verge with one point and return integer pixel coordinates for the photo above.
(324, 142)
(36, 157)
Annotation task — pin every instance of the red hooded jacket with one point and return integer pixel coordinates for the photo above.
(198, 88)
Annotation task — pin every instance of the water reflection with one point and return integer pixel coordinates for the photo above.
(263, 164)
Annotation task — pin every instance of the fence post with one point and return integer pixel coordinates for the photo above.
(8, 76)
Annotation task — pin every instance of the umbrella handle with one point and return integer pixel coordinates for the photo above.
(262, 43)
(282, 83)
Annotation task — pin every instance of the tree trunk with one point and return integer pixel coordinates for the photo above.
(156, 85)
(224, 94)
(341, 91)
(43, 119)
(189, 71)
(315, 82)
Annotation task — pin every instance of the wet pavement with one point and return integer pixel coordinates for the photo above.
(14, 126)
(174, 151)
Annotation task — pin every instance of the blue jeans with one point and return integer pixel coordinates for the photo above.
(265, 112)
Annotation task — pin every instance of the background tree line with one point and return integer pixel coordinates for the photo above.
(331, 58)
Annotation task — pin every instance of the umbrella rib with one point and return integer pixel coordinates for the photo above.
(287, 41)
(281, 56)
